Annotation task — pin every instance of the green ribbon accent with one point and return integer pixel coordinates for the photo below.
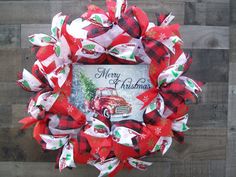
(68, 156)
(89, 46)
(97, 19)
(46, 39)
(162, 82)
(184, 127)
(26, 84)
(31, 39)
(60, 143)
(157, 147)
(190, 83)
(174, 73)
(57, 51)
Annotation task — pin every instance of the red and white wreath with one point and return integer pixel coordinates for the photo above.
(120, 35)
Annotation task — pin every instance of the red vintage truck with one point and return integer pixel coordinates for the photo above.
(108, 103)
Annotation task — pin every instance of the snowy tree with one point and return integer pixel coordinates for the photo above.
(88, 87)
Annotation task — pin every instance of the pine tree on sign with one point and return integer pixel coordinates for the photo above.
(88, 87)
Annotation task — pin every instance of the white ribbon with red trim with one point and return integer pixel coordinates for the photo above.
(67, 155)
(109, 165)
(94, 50)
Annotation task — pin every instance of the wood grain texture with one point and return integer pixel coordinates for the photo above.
(208, 30)
(206, 13)
(28, 12)
(205, 37)
(231, 146)
(10, 62)
(11, 94)
(9, 36)
(231, 134)
(209, 65)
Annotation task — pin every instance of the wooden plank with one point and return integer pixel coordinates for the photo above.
(232, 58)
(209, 65)
(214, 92)
(217, 14)
(231, 146)
(231, 133)
(16, 145)
(194, 37)
(210, 168)
(205, 37)
(10, 93)
(232, 12)
(231, 153)
(9, 36)
(207, 13)
(27, 59)
(208, 115)
(195, 13)
(19, 111)
(206, 131)
(27, 12)
(6, 115)
(10, 62)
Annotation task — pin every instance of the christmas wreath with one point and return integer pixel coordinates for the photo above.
(123, 36)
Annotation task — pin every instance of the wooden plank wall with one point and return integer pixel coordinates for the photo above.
(208, 30)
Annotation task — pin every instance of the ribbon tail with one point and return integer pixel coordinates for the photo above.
(38, 130)
(54, 143)
(27, 122)
(67, 157)
(139, 164)
(107, 167)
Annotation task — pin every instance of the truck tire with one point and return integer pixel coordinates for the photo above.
(106, 113)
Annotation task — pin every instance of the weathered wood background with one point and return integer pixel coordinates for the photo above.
(208, 29)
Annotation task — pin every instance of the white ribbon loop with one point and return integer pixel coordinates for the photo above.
(180, 124)
(30, 82)
(93, 50)
(173, 72)
(124, 136)
(97, 129)
(67, 155)
(139, 164)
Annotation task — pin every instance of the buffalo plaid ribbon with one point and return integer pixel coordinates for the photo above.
(67, 122)
(154, 49)
(131, 124)
(95, 30)
(136, 27)
(83, 144)
(128, 23)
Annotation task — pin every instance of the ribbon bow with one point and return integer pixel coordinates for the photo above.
(155, 40)
(54, 50)
(113, 165)
(92, 51)
(99, 16)
(54, 143)
(101, 138)
(170, 88)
